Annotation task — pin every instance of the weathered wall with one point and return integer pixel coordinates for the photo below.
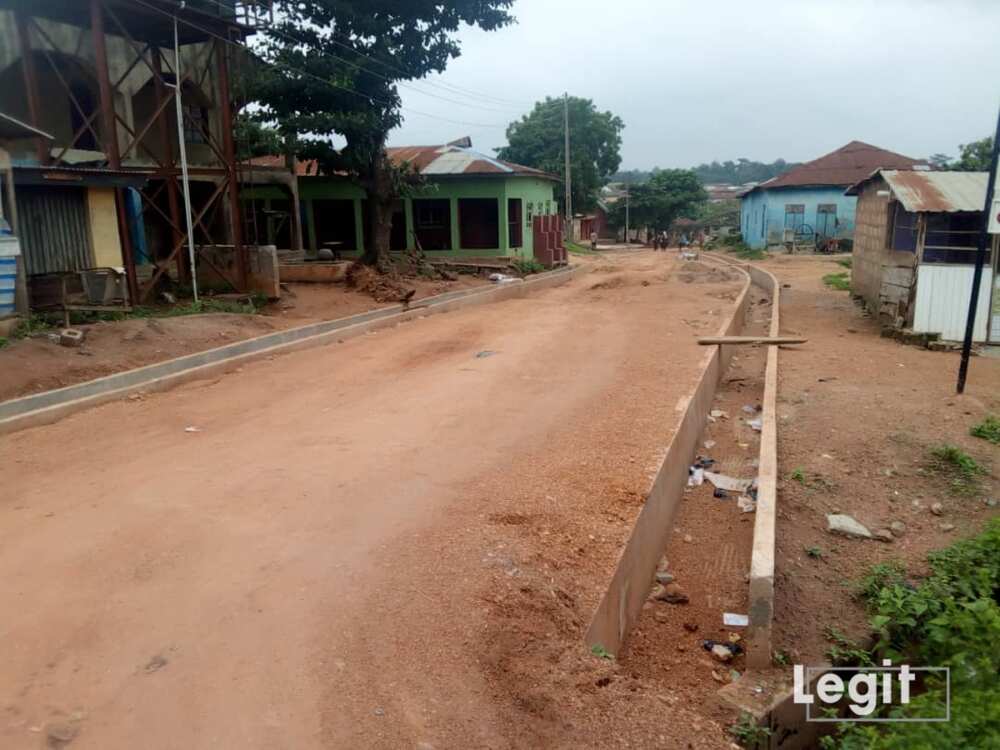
(869, 242)
(537, 198)
(762, 212)
(103, 219)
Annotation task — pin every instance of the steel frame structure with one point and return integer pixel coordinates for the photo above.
(106, 18)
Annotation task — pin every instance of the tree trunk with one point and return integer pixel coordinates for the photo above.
(380, 204)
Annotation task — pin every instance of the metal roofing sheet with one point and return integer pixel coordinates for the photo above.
(938, 192)
(845, 166)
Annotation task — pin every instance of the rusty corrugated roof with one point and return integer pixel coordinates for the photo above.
(933, 192)
(455, 159)
(845, 166)
(430, 161)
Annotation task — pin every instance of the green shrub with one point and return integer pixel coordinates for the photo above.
(988, 429)
(528, 266)
(952, 619)
(839, 281)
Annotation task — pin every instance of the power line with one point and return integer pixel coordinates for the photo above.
(307, 74)
(446, 87)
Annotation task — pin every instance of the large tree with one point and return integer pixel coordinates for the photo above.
(669, 194)
(333, 66)
(975, 156)
(537, 140)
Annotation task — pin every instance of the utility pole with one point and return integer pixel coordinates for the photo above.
(981, 255)
(185, 177)
(569, 183)
(626, 213)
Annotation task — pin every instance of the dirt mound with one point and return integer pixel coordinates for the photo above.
(380, 287)
(615, 282)
(696, 272)
(606, 268)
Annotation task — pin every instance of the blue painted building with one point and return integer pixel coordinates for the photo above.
(809, 200)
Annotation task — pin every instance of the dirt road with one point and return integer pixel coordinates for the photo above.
(321, 561)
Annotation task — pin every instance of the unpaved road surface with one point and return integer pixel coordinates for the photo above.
(396, 541)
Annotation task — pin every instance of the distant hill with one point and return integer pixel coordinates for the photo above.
(732, 172)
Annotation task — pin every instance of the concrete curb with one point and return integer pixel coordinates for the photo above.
(761, 597)
(50, 406)
(621, 604)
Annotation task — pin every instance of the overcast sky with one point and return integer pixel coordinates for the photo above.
(697, 80)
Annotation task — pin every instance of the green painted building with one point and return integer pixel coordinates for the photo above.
(472, 206)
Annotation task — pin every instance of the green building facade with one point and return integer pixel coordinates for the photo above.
(464, 214)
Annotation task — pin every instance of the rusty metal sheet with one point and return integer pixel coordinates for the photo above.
(938, 192)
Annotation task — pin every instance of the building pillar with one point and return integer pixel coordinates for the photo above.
(411, 234)
(456, 235)
(229, 150)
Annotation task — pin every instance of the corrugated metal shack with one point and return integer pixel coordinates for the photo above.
(914, 252)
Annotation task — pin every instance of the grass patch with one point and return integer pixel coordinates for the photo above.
(839, 281)
(31, 325)
(988, 429)
(528, 266)
(962, 469)
(745, 252)
(844, 652)
(814, 552)
(846, 262)
(798, 475)
(952, 619)
(577, 249)
(748, 733)
(600, 652)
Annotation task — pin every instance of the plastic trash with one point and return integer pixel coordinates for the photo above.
(732, 484)
(756, 424)
(749, 410)
(192, 429)
(502, 278)
(485, 353)
(696, 476)
(746, 504)
(720, 493)
(732, 620)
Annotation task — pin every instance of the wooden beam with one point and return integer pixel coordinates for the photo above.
(768, 340)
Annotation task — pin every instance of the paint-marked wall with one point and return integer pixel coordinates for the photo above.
(103, 221)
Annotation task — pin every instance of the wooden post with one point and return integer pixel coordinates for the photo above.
(229, 150)
(104, 84)
(30, 83)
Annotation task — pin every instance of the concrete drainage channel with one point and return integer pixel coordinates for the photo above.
(50, 406)
(760, 693)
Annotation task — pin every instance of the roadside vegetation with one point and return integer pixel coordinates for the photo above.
(578, 249)
(37, 324)
(963, 472)
(950, 619)
(988, 429)
(840, 281)
(734, 245)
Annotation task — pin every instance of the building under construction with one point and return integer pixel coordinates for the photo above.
(100, 183)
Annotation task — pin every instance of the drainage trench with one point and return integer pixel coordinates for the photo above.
(704, 569)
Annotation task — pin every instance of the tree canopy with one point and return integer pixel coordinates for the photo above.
(974, 157)
(669, 194)
(741, 171)
(730, 172)
(536, 140)
(332, 70)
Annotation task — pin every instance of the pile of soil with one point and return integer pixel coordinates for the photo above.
(379, 286)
